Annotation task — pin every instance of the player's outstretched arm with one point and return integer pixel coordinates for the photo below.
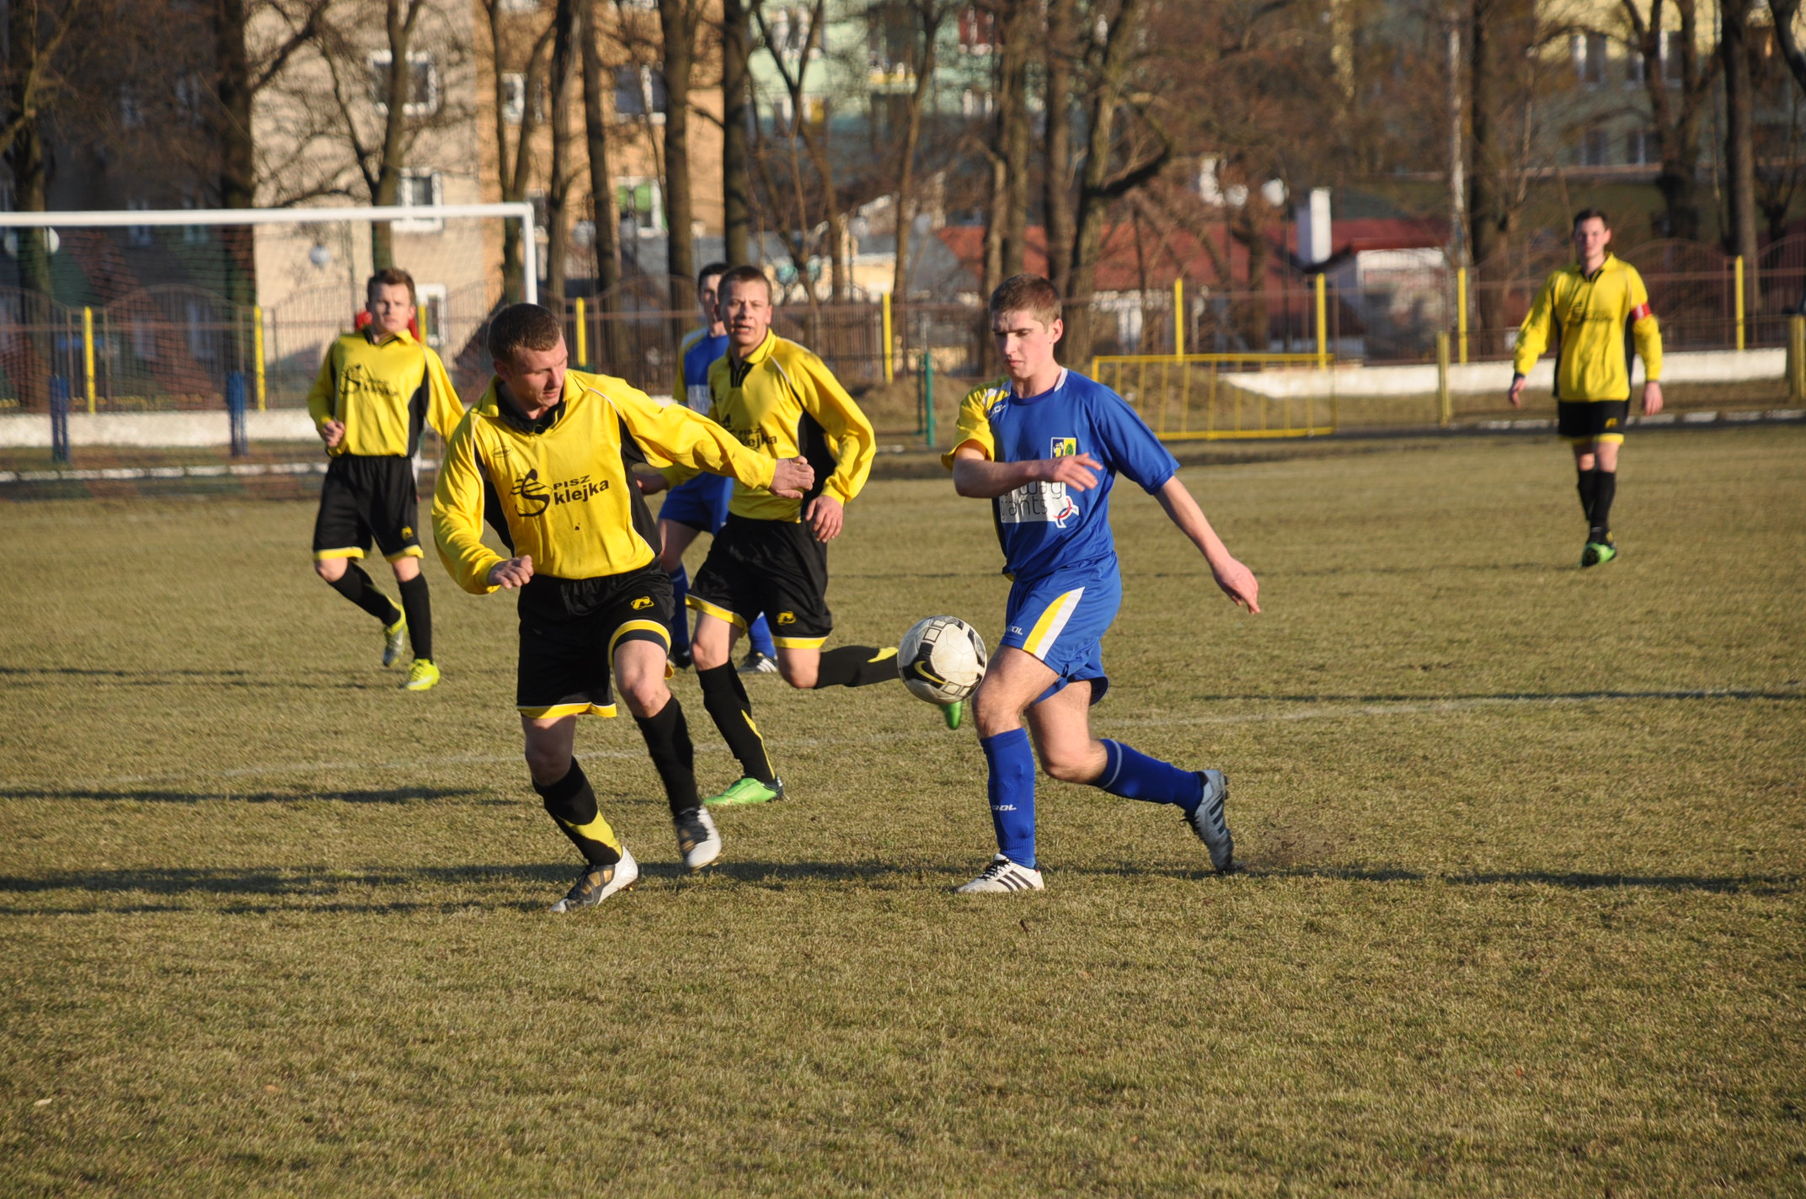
(1236, 580)
(977, 477)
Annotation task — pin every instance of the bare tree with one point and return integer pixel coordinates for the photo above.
(42, 68)
(736, 116)
(799, 174)
(679, 22)
(521, 49)
(1059, 53)
(1113, 166)
(1677, 111)
(599, 153)
(560, 175)
(1739, 152)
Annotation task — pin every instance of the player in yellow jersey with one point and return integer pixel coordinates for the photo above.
(375, 390)
(771, 555)
(554, 450)
(1595, 310)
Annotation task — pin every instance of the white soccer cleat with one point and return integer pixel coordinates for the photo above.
(1003, 876)
(597, 883)
(697, 838)
(1206, 820)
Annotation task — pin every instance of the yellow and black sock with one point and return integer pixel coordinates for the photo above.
(730, 709)
(572, 804)
(356, 586)
(856, 666)
(667, 736)
(419, 612)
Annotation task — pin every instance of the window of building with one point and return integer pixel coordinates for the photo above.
(975, 102)
(423, 83)
(1672, 66)
(419, 189)
(640, 92)
(138, 235)
(519, 5)
(131, 112)
(1595, 148)
(641, 205)
(1640, 147)
(432, 301)
(189, 97)
(203, 334)
(195, 235)
(514, 96)
(790, 28)
(1590, 58)
(977, 29)
(540, 210)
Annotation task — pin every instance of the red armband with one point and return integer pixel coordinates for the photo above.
(1639, 312)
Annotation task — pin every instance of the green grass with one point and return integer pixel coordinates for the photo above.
(1521, 911)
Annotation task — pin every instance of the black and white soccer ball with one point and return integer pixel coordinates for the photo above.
(941, 659)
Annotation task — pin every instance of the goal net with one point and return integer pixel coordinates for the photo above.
(171, 310)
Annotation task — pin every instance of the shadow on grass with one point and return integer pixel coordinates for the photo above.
(1505, 696)
(383, 795)
(303, 889)
(300, 889)
(1743, 884)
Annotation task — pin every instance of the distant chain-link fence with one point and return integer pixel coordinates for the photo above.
(181, 347)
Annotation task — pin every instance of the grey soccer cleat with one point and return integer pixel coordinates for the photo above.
(1207, 821)
(1001, 877)
(697, 838)
(597, 883)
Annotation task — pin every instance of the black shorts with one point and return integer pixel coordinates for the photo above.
(568, 632)
(364, 498)
(770, 566)
(1586, 421)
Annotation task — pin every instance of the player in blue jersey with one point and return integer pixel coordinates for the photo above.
(700, 505)
(1045, 446)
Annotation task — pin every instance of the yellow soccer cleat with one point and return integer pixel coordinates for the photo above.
(421, 676)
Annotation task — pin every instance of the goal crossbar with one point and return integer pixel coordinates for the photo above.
(512, 210)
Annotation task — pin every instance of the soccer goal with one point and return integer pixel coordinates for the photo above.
(169, 310)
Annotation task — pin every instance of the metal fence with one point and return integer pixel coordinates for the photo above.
(181, 347)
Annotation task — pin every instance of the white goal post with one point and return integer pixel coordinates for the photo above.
(140, 310)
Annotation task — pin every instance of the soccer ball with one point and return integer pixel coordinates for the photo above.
(941, 659)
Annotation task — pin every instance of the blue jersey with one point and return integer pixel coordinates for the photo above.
(1046, 527)
(700, 350)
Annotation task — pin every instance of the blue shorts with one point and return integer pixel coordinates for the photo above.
(1061, 619)
(700, 503)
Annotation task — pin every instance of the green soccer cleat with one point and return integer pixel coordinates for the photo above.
(1597, 553)
(746, 792)
(395, 639)
(954, 713)
(421, 676)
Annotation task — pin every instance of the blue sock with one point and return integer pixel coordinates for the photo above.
(1011, 790)
(760, 636)
(679, 627)
(1133, 775)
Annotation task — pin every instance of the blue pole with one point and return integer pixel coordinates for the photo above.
(59, 419)
(235, 412)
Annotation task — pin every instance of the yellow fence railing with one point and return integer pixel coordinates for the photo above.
(1207, 396)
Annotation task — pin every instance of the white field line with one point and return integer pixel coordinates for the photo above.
(707, 744)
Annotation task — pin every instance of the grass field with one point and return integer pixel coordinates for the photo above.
(1521, 913)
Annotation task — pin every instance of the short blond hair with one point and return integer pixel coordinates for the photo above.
(1027, 293)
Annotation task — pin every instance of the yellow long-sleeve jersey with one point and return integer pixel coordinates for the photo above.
(1588, 315)
(563, 483)
(783, 401)
(382, 391)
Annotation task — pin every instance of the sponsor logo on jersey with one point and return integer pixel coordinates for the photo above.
(530, 496)
(1037, 503)
(641, 601)
(575, 491)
